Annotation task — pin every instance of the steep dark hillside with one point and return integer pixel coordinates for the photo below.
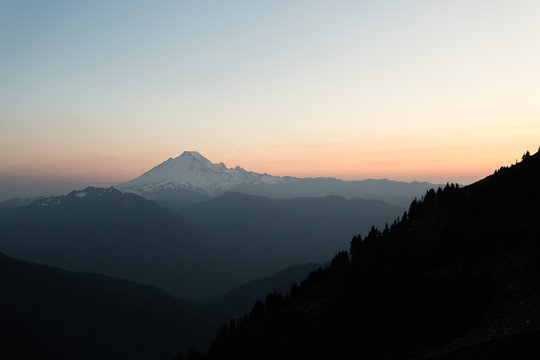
(260, 236)
(457, 277)
(239, 301)
(48, 313)
(108, 232)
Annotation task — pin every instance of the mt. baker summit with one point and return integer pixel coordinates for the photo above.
(191, 178)
(192, 171)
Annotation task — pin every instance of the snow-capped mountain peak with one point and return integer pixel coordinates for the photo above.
(192, 171)
(191, 177)
(195, 155)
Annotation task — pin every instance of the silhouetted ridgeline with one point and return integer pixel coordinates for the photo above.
(239, 301)
(49, 313)
(456, 277)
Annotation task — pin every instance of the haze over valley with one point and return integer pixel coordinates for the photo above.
(231, 250)
(202, 236)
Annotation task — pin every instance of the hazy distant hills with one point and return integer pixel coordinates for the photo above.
(457, 277)
(112, 233)
(16, 202)
(191, 178)
(48, 313)
(261, 236)
(207, 249)
(220, 235)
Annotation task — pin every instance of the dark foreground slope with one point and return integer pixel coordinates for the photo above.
(239, 301)
(48, 313)
(457, 277)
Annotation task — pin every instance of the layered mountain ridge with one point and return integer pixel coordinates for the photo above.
(201, 250)
(191, 178)
(106, 231)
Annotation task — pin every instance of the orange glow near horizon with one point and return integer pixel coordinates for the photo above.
(405, 159)
(426, 91)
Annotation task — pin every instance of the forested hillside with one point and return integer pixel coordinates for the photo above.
(456, 277)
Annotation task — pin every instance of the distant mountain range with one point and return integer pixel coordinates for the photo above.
(260, 236)
(16, 202)
(205, 249)
(453, 277)
(191, 178)
(109, 232)
(219, 235)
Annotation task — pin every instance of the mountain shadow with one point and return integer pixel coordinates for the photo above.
(456, 277)
(239, 301)
(48, 313)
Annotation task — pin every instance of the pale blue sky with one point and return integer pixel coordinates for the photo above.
(426, 90)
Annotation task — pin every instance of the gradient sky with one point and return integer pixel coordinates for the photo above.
(100, 91)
